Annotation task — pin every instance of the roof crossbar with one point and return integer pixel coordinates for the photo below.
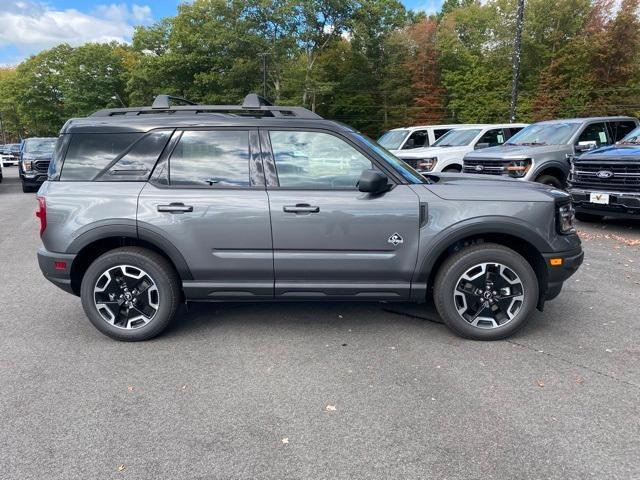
(252, 104)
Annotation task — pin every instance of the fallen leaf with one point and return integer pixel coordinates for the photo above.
(285, 440)
(130, 388)
(579, 380)
(540, 382)
(330, 408)
(122, 467)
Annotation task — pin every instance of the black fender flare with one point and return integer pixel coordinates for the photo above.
(564, 167)
(128, 228)
(477, 227)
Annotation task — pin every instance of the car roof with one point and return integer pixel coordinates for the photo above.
(588, 119)
(254, 112)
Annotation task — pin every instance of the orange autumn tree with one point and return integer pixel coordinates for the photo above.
(422, 64)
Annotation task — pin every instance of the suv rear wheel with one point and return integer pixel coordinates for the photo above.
(130, 293)
(486, 292)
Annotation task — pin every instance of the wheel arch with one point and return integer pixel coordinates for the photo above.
(100, 240)
(517, 237)
(555, 169)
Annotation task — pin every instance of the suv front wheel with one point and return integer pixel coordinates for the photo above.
(486, 292)
(130, 293)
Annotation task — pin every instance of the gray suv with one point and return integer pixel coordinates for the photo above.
(539, 152)
(149, 207)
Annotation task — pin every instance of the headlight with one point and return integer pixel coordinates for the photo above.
(426, 164)
(565, 217)
(27, 165)
(519, 168)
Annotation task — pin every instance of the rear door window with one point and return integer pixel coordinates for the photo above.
(419, 138)
(90, 153)
(492, 138)
(438, 132)
(211, 158)
(621, 129)
(595, 133)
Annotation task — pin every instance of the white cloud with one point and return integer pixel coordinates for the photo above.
(31, 25)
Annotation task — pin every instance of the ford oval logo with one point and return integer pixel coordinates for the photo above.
(479, 168)
(604, 174)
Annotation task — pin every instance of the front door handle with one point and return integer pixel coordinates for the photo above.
(300, 208)
(175, 208)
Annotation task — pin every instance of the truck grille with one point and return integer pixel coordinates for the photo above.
(488, 166)
(42, 167)
(617, 176)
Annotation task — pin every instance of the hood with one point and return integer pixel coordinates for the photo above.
(456, 186)
(38, 156)
(431, 152)
(612, 153)
(518, 151)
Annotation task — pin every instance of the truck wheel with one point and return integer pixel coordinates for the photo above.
(26, 189)
(485, 292)
(588, 217)
(453, 169)
(550, 180)
(130, 293)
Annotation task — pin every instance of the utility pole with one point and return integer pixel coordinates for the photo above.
(264, 73)
(515, 64)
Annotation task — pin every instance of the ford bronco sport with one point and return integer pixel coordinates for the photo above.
(539, 152)
(152, 206)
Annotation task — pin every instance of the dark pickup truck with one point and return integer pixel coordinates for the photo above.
(606, 181)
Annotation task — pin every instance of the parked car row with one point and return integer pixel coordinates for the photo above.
(33, 157)
(597, 159)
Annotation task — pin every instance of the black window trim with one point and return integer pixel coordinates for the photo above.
(271, 171)
(256, 170)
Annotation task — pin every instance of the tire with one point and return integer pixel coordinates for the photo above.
(26, 189)
(550, 180)
(589, 217)
(165, 293)
(453, 169)
(448, 299)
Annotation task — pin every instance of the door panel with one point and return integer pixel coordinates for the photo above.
(214, 214)
(343, 250)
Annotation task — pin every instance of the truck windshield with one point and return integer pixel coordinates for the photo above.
(556, 133)
(408, 173)
(632, 138)
(39, 145)
(457, 138)
(392, 139)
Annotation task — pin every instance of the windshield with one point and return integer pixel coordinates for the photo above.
(632, 138)
(392, 139)
(457, 138)
(14, 147)
(40, 145)
(398, 165)
(557, 133)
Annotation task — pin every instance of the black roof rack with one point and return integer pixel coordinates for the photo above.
(253, 105)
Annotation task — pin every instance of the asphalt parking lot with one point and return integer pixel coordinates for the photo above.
(326, 391)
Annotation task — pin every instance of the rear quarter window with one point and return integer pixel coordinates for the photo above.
(89, 154)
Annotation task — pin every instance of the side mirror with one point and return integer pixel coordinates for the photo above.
(409, 144)
(482, 145)
(373, 181)
(585, 146)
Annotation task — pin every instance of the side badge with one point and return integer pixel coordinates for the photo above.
(395, 239)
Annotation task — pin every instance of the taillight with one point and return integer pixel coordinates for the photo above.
(41, 213)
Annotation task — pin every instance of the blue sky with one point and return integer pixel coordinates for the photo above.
(28, 26)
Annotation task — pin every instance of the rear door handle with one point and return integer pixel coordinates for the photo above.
(300, 208)
(175, 208)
